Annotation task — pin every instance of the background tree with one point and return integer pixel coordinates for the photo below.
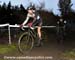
(3, 13)
(64, 6)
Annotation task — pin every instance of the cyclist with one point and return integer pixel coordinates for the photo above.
(33, 19)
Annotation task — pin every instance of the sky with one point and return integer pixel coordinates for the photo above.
(49, 4)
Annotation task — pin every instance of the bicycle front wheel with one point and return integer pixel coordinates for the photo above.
(25, 43)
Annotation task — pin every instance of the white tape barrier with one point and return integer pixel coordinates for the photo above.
(3, 25)
(36, 26)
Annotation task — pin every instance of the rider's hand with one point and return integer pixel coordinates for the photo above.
(32, 28)
(21, 26)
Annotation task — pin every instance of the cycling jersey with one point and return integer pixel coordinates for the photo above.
(33, 19)
(38, 21)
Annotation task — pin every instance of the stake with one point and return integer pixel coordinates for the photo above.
(9, 35)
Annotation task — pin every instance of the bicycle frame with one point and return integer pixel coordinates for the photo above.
(32, 33)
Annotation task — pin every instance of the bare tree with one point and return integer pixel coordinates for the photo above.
(42, 4)
(65, 6)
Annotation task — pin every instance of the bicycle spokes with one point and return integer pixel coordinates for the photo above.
(25, 43)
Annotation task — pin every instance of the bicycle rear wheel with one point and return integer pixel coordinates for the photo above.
(25, 43)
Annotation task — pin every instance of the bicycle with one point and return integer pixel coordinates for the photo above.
(26, 40)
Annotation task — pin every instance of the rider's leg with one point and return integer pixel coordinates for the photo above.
(39, 36)
(39, 24)
(39, 32)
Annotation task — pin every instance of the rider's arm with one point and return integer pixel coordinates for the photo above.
(25, 21)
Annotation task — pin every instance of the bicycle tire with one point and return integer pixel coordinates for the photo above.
(25, 43)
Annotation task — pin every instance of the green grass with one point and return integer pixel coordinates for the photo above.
(69, 54)
(4, 49)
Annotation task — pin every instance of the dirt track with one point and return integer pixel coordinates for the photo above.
(49, 49)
